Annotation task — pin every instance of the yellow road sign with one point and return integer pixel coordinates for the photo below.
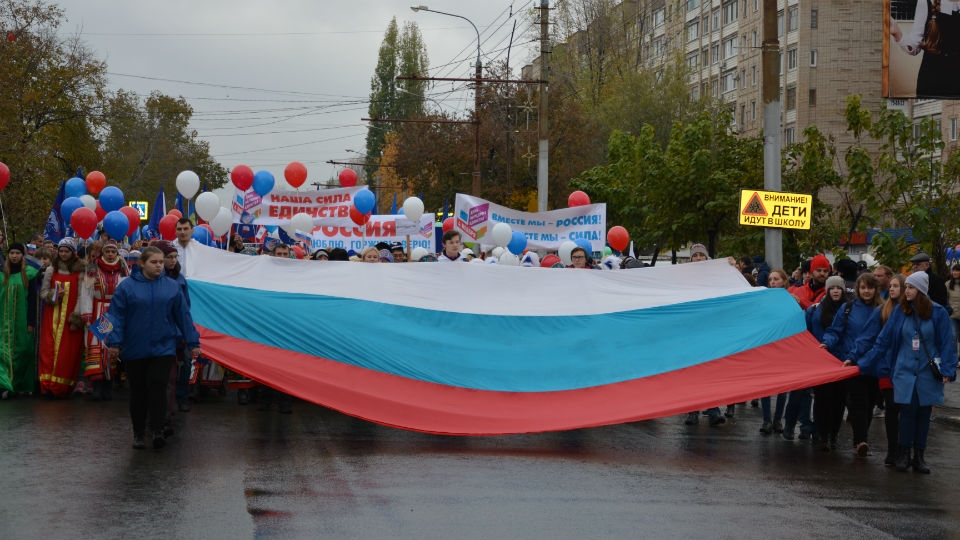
(775, 209)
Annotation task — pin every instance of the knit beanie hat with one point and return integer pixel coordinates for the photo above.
(920, 281)
(835, 281)
(820, 261)
(68, 242)
(699, 248)
(18, 247)
(165, 246)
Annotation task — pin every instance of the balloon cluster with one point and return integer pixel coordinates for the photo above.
(83, 212)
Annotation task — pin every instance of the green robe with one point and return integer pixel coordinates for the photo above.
(18, 360)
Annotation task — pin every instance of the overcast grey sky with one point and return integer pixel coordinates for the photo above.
(275, 82)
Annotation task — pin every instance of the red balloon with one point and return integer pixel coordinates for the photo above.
(448, 224)
(298, 251)
(348, 178)
(4, 175)
(242, 177)
(168, 227)
(100, 212)
(96, 181)
(175, 212)
(357, 217)
(618, 238)
(133, 216)
(84, 222)
(295, 173)
(578, 198)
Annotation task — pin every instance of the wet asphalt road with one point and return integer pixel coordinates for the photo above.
(235, 472)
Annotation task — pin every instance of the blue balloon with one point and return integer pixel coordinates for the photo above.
(517, 243)
(111, 198)
(400, 212)
(68, 206)
(75, 187)
(364, 201)
(949, 253)
(263, 182)
(116, 224)
(202, 235)
(585, 244)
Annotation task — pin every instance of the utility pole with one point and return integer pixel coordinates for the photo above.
(543, 156)
(770, 56)
(475, 188)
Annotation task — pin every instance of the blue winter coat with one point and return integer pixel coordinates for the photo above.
(841, 338)
(909, 371)
(148, 317)
(812, 314)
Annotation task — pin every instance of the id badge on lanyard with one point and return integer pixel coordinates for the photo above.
(916, 342)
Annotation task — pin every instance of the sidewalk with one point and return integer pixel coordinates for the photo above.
(949, 412)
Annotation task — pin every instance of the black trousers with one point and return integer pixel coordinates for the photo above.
(862, 392)
(828, 403)
(891, 417)
(149, 379)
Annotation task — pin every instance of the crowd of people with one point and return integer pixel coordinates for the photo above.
(901, 331)
(84, 318)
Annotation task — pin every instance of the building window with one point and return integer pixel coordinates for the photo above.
(813, 18)
(743, 115)
(793, 19)
(953, 129)
(693, 60)
(813, 97)
(728, 81)
(716, 20)
(791, 101)
(715, 85)
(692, 4)
(753, 75)
(704, 57)
(755, 41)
(789, 136)
(780, 23)
(730, 12)
(659, 17)
(693, 30)
(813, 58)
(756, 6)
(705, 24)
(695, 93)
(792, 59)
(658, 47)
(715, 53)
(729, 47)
(753, 110)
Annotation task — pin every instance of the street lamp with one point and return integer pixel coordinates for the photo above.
(475, 191)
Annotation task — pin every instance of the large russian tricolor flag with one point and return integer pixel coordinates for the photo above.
(478, 349)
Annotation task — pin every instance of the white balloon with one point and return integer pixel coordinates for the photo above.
(509, 259)
(413, 209)
(417, 253)
(303, 222)
(564, 252)
(207, 205)
(188, 183)
(89, 201)
(221, 222)
(497, 252)
(501, 234)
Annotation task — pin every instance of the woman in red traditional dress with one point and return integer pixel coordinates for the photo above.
(102, 276)
(61, 339)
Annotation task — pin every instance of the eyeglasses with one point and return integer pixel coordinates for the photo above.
(578, 258)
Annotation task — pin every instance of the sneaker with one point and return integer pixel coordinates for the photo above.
(755, 403)
(158, 440)
(777, 426)
(862, 449)
(138, 442)
(788, 435)
(692, 419)
(729, 411)
(766, 428)
(716, 420)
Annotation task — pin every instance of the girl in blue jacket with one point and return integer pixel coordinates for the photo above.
(828, 398)
(916, 335)
(848, 326)
(149, 315)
